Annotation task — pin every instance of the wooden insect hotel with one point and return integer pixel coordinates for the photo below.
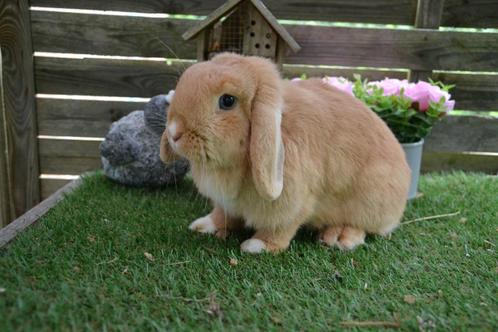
(244, 27)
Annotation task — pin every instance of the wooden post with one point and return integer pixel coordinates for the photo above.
(202, 46)
(429, 13)
(19, 155)
(6, 202)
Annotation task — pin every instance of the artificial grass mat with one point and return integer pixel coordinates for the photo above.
(115, 258)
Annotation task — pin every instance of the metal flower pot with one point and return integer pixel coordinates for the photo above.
(413, 152)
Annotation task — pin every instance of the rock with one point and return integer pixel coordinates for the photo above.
(155, 113)
(130, 151)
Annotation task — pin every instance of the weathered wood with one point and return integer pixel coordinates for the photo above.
(452, 134)
(470, 14)
(201, 46)
(111, 35)
(147, 78)
(68, 157)
(457, 13)
(368, 11)
(19, 105)
(419, 75)
(432, 162)
(85, 118)
(413, 49)
(451, 161)
(50, 186)
(144, 78)
(213, 16)
(106, 77)
(6, 194)
(429, 13)
(68, 165)
(68, 148)
(9, 232)
(464, 133)
(255, 38)
(280, 30)
(137, 36)
(291, 71)
(472, 92)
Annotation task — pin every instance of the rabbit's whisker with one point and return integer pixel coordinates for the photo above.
(183, 66)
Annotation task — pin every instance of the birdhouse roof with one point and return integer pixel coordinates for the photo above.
(228, 6)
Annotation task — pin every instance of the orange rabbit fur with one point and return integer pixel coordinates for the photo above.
(287, 154)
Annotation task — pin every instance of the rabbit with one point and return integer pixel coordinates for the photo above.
(275, 155)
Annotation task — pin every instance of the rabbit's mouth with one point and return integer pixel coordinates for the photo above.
(192, 146)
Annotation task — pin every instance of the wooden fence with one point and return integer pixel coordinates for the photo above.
(71, 129)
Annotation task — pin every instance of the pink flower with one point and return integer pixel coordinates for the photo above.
(296, 79)
(423, 93)
(340, 83)
(390, 86)
(450, 105)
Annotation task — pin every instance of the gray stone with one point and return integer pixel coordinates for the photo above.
(155, 113)
(130, 151)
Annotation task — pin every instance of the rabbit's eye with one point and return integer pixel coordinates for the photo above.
(227, 102)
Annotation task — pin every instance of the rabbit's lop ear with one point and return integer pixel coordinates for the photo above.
(266, 147)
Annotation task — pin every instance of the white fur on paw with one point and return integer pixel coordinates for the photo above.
(203, 225)
(253, 246)
(349, 244)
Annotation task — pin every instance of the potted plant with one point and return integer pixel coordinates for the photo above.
(409, 109)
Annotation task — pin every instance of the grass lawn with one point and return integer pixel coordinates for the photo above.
(114, 258)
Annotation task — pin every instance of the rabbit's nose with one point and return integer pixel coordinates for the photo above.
(175, 131)
(177, 137)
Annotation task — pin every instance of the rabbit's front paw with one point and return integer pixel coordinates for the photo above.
(253, 246)
(203, 225)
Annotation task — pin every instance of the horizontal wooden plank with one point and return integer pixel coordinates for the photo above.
(291, 71)
(457, 13)
(418, 49)
(50, 186)
(138, 36)
(452, 134)
(71, 157)
(368, 11)
(53, 194)
(69, 164)
(470, 14)
(144, 78)
(464, 133)
(148, 78)
(472, 91)
(105, 77)
(84, 118)
(111, 35)
(452, 161)
(66, 148)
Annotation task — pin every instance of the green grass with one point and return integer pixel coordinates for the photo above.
(83, 267)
